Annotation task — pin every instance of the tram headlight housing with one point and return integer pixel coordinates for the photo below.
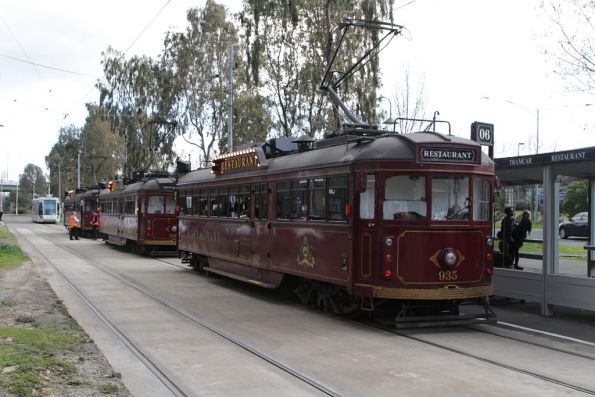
(450, 257)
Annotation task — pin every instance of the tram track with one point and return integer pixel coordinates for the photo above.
(328, 391)
(161, 376)
(488, 329)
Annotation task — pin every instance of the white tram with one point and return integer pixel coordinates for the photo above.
(46, 210)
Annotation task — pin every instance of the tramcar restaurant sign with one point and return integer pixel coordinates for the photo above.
(568, 156)
(447, 154)
(243, 160)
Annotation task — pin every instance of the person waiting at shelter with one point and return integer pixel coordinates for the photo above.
(73, 226)
(507, 240)
(519, 234)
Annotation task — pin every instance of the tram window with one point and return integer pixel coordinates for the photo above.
(337, 198)
(450, 197)
(232, 202)
(129, 207)
(89, 206)
(481, 199)
(223, 202)
(283, 200)
(243, 205)
(366, 199)
(261, 197)
(170, 204)
(298, 199)
(203, 203)
(317, 209)
(155, 205)
(185, 202)
(213, 206)
(404, 198)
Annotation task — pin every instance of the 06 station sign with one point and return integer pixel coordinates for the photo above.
(482, 133)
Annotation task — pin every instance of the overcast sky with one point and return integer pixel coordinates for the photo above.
(480, 60)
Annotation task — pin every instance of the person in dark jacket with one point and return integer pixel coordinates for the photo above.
(519, 234)
(506, 228)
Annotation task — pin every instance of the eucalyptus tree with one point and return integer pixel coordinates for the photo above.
(102, 149)
(139, 97)
(31, 182)
(199, 60)
(63, 158)
(288, 45)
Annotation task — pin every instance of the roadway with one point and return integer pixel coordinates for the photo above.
(170, 331)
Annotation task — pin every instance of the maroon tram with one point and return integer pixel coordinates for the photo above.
(358, 219)
(84, 202)
(140, 215)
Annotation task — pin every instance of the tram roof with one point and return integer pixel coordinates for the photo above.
(346, 149)
(153, 184)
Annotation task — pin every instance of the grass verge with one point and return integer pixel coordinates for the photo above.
(30, 356)
(10, 252)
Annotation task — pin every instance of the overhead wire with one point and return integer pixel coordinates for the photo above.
(123, 54)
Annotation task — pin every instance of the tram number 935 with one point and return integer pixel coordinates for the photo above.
(447, 275)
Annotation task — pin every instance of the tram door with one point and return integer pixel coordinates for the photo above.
(261, 227)
(366, 229)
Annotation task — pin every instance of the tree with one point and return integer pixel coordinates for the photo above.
(139, 97)
(577, 198)
(409, 104)
(64, 154)
(199, 59)
(31, 182)
(574, 36)
(288, 45)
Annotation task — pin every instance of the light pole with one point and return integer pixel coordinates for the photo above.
(78, 172)
(230, 102)
(390, 119)
(518, 148)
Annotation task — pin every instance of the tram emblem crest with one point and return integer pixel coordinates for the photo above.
(305, 256)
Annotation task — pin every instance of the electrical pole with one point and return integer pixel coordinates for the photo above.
(78, 173)
(230, 102)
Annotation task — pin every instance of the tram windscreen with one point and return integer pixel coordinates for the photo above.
(450, 197)
(49, 207)
(405, 198)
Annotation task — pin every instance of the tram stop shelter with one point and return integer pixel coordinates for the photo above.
(549, 287)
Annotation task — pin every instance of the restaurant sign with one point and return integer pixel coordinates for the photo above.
(449, 155)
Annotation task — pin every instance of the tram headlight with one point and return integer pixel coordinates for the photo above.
(490, 241)
(449, 257)
(174, 229)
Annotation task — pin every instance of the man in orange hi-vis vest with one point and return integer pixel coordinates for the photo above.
(73, 226)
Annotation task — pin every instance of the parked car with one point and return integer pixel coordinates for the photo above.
(577, 226)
